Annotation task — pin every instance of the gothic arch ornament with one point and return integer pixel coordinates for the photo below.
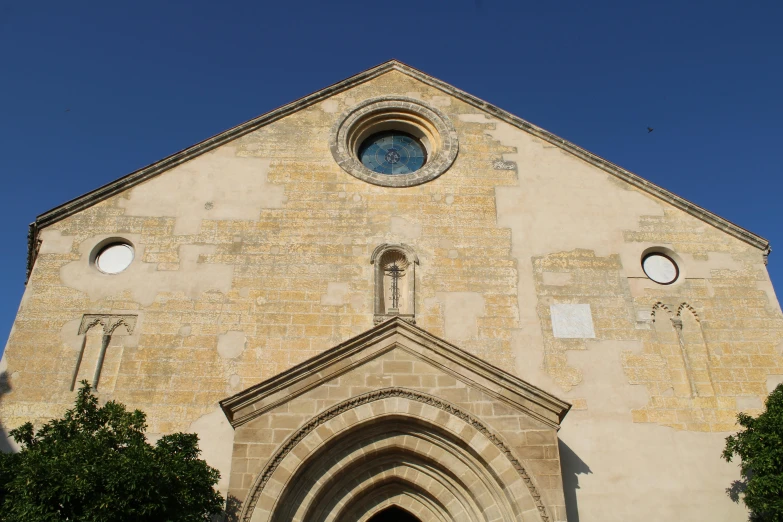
(686, 306)
(417, 505)
(660, 307)
(109, 323)
(370, 460)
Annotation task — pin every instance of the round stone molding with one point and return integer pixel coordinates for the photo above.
(112, 256)
(660, 268)
(408, 115)
(662, 265)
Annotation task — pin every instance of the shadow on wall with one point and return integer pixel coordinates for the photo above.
(233, 509)
(6, 446)
(571, 466)
(737, 488)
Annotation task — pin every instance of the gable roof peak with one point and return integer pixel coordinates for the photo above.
(134, 178)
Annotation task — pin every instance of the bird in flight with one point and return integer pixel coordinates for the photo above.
(67, 110)
(649, 130)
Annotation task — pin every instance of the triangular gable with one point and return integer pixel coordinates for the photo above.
(395, 334)
(150, 171)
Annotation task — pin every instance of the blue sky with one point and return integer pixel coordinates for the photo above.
(94, 90)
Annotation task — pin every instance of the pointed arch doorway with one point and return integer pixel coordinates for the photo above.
(393, 514)
(396, 424)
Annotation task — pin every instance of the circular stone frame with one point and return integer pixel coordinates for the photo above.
(668, 254)
(104, 245)
(409, 115)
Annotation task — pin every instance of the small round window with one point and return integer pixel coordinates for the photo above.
(660, 268)
(392, 152)
(114, 258)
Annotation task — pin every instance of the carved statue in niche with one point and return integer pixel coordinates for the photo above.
(395, 282)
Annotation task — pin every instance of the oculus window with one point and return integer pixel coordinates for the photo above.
(392, 152)
(114, 258)
(660, 268)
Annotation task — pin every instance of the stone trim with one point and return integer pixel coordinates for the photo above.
(443, 143)
(109, 322)
(110, 189)
(508, 389)
(382, 318)
(263, 477)
(380, 249)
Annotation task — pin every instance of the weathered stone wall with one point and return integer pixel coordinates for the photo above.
(255, 256)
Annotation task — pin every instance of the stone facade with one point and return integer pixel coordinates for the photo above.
(253, 256)
(392, 403)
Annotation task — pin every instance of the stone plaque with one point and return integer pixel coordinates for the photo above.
(572, 321)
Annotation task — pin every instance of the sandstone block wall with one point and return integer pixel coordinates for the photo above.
(255, 256)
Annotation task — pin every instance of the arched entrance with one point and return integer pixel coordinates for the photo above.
(394, 449)
(396, 419)
(393, 514)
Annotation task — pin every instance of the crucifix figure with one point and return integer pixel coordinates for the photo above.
(395, 273)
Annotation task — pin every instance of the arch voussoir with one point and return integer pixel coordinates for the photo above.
(389, 447)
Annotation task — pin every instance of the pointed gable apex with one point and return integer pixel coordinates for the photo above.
(395, 334)
(111, 189)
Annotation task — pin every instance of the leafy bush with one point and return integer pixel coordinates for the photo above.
(760, 446)
(95, 464)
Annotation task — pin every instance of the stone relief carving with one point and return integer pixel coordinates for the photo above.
(89, 355)
(109, 322)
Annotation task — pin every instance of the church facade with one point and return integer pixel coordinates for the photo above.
(392, 300)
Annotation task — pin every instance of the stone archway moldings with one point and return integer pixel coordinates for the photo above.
(415, 505)
(409, 479)
(349, 404)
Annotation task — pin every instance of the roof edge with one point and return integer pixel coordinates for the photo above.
(606, 165)
(139, 176)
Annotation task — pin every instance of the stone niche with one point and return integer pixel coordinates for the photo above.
(394, 282)
(396, 419)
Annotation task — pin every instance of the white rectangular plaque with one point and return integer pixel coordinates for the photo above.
(572, 321)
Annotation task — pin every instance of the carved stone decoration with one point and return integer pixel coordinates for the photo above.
(394, 282)
(694, 347)
(109, 324)
(377, 395)
(399, 113)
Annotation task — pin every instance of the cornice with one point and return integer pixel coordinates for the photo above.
(111, 189)
(516, 393)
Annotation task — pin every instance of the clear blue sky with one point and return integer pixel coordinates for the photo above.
(145, 79)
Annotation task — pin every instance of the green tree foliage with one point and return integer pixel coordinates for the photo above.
(760, 446)
(95, 464)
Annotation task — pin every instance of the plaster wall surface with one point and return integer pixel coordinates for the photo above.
(255, 256)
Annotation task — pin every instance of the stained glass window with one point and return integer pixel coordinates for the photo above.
(392, 152)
